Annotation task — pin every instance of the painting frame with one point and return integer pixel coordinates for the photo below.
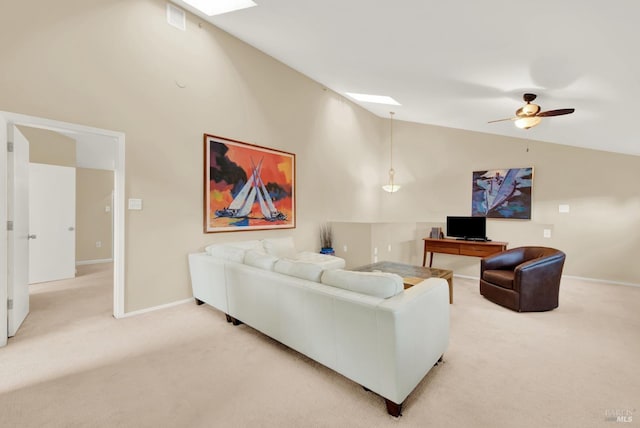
(247, 186)
(502, 193)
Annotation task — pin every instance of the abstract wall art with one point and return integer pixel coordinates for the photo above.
(247, 187)
(502, 193)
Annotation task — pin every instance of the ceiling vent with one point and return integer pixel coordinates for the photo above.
(176, 17)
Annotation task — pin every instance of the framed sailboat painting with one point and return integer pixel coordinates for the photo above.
(502, 193)
(247, 187)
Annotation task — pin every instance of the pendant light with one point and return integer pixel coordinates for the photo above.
(391, 187)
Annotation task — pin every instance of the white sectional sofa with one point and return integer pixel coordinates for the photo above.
(363, 325)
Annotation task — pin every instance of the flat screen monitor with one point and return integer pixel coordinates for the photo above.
(472, 228)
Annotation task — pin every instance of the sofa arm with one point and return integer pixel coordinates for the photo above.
(208, 280)
(413, 333)
(541, 272)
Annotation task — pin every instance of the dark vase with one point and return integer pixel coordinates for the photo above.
(327, 250)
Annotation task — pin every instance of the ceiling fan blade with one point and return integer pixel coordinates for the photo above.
(558, 112)
(502, 120)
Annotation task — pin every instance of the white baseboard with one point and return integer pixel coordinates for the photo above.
(581, 278)
(156, 308)
(604, 281)
(466, 276)
(93, 262)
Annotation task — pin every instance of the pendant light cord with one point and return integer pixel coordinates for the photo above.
(391, 140)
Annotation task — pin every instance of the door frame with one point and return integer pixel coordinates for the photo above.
(118, 204)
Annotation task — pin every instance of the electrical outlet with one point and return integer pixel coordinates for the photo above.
(375, 251)
(546, 233)
(389, 248)
(345, 248)
(98, 244)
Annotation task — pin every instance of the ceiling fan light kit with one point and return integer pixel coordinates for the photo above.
(527, 122)
(530, 115)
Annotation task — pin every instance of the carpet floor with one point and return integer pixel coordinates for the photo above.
(73, 365)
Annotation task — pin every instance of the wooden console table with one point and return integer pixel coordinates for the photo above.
(460, 247)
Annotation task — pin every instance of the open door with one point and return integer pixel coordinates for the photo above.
(18, 233)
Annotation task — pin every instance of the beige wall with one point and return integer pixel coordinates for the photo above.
(93, 214)
(49, 147)
(114, 64)
(600, 234)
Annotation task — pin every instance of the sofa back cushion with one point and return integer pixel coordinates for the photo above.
(324, 260)
(303, 270)
(280, 247)
(259, 259)
(233, 251)
(226, 252)
(377, 284)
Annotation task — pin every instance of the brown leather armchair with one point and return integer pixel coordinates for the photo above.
(525, 279)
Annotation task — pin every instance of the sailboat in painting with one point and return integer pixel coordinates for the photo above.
(242, 204)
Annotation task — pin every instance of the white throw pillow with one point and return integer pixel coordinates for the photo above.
(308, 271)
(260, 260)
(226, 252)
(377, 284)
(280, 247)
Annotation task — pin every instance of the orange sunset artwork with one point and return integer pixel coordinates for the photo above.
(248, 187)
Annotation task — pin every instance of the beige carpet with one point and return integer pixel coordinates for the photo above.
(73, 365)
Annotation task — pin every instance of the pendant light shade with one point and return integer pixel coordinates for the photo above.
(391, 187)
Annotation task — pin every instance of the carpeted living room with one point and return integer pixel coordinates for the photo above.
(247, 127)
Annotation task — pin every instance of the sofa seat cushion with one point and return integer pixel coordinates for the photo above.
(377, 284)
(323, 260)
(259, 259)
(303, 270)
(503, 278)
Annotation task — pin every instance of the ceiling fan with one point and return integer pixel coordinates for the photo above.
(530, 115)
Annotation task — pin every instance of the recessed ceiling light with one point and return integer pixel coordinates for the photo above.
(218, 7)
(379, 99)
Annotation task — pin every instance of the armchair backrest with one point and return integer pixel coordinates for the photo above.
(510, 259)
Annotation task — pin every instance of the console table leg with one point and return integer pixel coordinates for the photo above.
(424, 255)
(431, 259)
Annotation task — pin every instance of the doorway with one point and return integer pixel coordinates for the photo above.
(101, 146)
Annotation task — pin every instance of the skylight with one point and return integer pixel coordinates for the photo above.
(218, 7)
(379, 99)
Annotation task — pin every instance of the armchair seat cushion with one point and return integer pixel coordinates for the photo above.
(503, 278)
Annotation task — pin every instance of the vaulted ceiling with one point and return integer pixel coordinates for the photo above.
(462, 63)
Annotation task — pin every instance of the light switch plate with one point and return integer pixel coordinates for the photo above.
(563, 208)
(135, 204)
(546, 233)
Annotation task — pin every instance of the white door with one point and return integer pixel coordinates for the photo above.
(3, 232)
(18, 237)
(52, 221)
